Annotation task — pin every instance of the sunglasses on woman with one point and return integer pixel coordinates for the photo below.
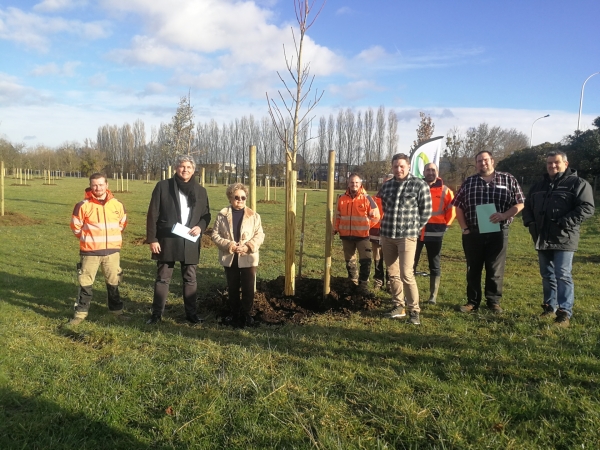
(238, 198)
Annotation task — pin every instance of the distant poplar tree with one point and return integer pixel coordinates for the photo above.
(182, 127)
(424, 131)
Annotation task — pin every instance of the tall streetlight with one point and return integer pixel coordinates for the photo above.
(531, 135)
(581, 98)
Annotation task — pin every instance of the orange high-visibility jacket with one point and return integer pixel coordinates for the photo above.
(98, 224)
(355, 215)
(443, 213)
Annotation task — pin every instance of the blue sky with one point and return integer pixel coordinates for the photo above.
(70, 66)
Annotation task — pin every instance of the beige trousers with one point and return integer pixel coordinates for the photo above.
(110, 266)
(399, 257)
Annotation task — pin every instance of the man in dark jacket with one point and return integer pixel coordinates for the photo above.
(183, 202)
(554, 210)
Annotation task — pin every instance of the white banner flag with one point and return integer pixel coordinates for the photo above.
(428, 151)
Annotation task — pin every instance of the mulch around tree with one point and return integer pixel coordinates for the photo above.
(272, 307)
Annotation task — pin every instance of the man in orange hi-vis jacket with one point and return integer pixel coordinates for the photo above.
(97, 222)
(442, 216)
(356, 214)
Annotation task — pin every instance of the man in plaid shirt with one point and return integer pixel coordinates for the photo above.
(486, 249)
(406, 202)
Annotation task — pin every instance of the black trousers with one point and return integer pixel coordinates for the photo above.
(245, 279)
(485, 250)
(434, 256)
(164, 274)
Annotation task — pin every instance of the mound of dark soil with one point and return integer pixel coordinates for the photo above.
(15, 219)
(271, 306)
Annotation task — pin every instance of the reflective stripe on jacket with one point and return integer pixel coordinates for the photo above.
(355, 216)
(443, 213)
(98, 224)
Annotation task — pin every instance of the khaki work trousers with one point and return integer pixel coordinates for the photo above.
(364, 258)
(399, 257)
(110, 265)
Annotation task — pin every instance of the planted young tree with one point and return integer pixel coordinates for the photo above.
(295, 107)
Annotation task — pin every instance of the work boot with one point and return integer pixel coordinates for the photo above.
(363, 288)
(377, 284)
(562, 319)
(352, 271)
(434, 286)
(154, 318)
(78, 318)
(548, 311)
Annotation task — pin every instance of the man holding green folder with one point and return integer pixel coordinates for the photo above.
(486, 204)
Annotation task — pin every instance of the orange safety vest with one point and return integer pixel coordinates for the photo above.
(443, 213)
(355, 216)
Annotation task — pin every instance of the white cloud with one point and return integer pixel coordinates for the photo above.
(344, 10)
(552, 129)
(380, 59)
(232, 33)
(354, 90)
(152, 89)
(66, 70)
(57, 5)
(145, 50)
(14, 93)
(215, 79)
(98, 80)
(373, 54)
(34, 31)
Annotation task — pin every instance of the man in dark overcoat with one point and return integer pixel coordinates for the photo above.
(183, 202)
(554, 210)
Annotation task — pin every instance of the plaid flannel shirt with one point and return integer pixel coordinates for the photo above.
(406, 207)
(503, 191)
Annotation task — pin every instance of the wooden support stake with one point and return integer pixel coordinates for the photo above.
(329, 225)
(252, 178)
(1, 188)
(302, 236)
(290, 225)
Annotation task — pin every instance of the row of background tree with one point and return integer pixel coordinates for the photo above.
(364, 141)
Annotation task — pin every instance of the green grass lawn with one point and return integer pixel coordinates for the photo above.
(455, 382)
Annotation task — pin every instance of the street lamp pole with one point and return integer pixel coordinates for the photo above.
(531, 135)
(581, 99)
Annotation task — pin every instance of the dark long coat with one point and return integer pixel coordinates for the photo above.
(164, 211)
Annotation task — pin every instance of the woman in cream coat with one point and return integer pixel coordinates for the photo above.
(238, 234)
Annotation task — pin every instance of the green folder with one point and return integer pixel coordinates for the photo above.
(483, 218)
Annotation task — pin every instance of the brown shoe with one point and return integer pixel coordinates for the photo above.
(495, 308)
(469, 307)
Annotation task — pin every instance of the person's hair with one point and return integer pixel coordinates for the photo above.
(180, 159)
(431, 164)
(235, 187)
(98, 175)
(403, 156)
(484, 151)
(560, 153)
(354, 174)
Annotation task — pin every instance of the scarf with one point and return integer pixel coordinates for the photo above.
(187, 187)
